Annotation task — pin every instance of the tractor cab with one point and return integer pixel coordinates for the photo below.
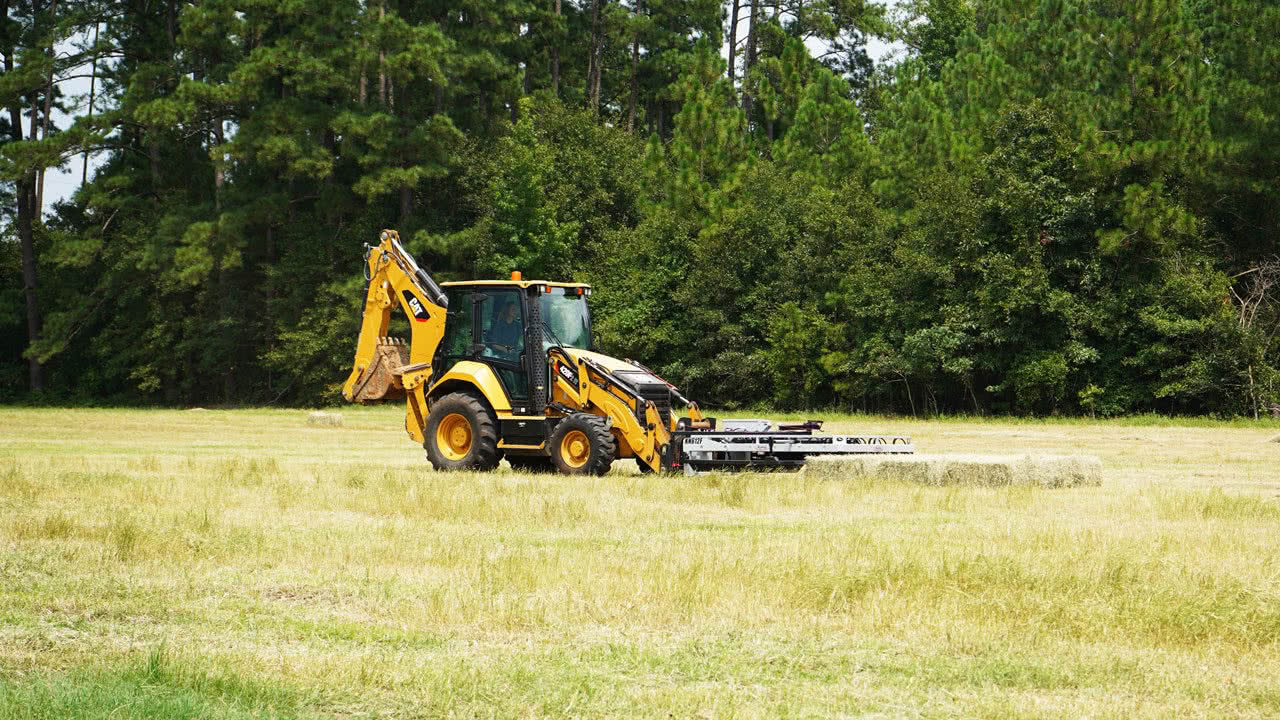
(509, 325)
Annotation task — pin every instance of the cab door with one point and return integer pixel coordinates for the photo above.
(488, 326)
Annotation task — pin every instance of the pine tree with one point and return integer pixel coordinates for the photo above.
(708, 146)
(32, 144)
(825, 140)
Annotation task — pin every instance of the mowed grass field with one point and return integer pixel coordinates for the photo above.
(234, 564)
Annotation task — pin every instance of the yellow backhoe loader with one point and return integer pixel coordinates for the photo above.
(506, 368)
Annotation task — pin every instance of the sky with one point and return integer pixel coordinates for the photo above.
(60, 184)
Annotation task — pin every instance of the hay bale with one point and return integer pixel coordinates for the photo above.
(968, 470)
(1275, 439)
(902, 468)
(975, 472)
(845, 468)
(1059, 470)
(327, 419)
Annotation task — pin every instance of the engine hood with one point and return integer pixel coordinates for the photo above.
(609, 363)
(635, 376)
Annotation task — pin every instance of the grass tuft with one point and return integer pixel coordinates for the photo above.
(124, 538)
(241, 472)
(57, 526)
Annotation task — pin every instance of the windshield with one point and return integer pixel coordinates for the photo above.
(565, 313)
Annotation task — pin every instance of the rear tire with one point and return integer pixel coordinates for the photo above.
(582, 444)
(461, 434)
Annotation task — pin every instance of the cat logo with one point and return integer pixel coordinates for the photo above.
(416, 308)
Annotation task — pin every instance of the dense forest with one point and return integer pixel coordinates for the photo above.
(1031, 206)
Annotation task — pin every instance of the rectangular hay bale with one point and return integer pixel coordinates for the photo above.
(1051, 471)
(329, 419)
(1060, 470)
(904, 467)
(980, 473)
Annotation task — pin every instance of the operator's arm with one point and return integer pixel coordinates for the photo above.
(506, 336)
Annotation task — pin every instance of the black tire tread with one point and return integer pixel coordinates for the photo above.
(484, 455)
(604, 447)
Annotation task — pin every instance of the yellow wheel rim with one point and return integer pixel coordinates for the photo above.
(453, 437)
(575, 449)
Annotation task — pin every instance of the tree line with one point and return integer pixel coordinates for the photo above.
(1032, 207)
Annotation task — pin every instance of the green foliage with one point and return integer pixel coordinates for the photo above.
(523, 230)
(1041, 207)
(708, 145)
(933, 29)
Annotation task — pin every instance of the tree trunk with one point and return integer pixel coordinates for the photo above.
(1253, 395)
(555, 55)
(526, 82)
(153, 157)
(26, 236)
(35, 119)
(382, 59)
(635, 75)
(406, 205)
(26, 212)
(219, 174)
(733, 39)
(48, 106)
(593, 60)
(595, 88)
(171, 25)
(93, 86)
(153, 143)
(748, 62)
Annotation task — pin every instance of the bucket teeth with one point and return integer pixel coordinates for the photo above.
(379, 381)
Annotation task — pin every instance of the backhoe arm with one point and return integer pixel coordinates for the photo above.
(385, 368)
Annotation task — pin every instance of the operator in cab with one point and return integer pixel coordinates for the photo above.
(505, 335)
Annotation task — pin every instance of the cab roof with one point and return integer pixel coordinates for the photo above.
(522, 284)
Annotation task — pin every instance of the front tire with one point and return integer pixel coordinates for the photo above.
(461, 434)
(582, 444)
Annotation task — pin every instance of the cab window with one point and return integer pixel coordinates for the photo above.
(458, 325)
(502, 323)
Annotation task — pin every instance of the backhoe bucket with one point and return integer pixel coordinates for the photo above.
(380, 381)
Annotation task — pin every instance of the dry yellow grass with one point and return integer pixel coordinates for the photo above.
(246, 564)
